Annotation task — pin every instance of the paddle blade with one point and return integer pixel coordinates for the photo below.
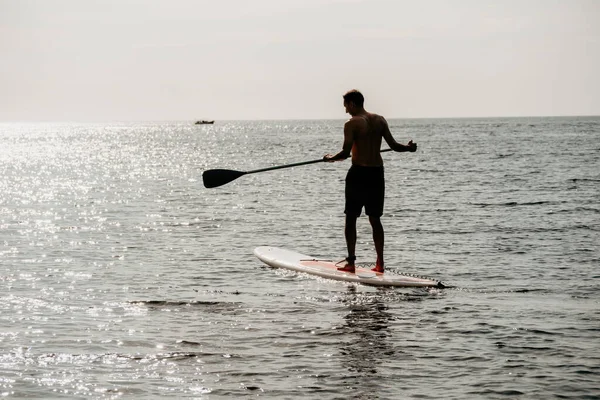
(218, 177)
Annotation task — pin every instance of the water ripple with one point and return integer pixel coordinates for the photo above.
(122, 277)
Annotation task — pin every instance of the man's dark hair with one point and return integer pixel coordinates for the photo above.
(354, 96)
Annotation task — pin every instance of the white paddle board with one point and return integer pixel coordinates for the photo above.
(291, 260)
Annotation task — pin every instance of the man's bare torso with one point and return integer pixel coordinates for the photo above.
(367, 131)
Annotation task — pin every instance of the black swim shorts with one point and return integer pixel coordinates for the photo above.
(365, 187)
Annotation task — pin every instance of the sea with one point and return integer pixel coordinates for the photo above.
(123, 277)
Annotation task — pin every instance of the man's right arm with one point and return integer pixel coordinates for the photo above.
(346, 147)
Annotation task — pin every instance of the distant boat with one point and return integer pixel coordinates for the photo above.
(203, 122)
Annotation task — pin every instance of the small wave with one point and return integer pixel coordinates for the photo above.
(575, 210)
(484, 290)
(173, 303)
(491, 393)
(515, 204)
(212, 306)
(189, 343)
(109, 358)
(584, 180)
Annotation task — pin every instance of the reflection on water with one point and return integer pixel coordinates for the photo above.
(365, 346)
(367, 324)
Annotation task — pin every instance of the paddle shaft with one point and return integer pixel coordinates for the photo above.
(294, 164)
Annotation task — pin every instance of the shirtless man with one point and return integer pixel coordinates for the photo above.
(365, 184)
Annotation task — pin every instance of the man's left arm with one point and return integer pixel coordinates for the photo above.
(387, 135)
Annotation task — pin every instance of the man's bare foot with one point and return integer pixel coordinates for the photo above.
(349, 267)
(378, 268)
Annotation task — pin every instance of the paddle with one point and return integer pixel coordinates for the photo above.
(218, 177)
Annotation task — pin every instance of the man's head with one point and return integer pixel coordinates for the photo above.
(353, 101)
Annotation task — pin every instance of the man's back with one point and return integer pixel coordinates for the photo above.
(367, 130)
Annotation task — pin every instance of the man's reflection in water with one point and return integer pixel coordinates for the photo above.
(366, 345)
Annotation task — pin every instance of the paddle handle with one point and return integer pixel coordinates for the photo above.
(294, 164)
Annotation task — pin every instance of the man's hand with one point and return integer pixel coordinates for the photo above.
(328, 158)
(412, 147)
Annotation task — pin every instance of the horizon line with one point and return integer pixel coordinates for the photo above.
(289, 119)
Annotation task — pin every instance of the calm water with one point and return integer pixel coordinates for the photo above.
(121, 276)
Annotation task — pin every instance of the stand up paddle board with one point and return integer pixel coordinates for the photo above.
(291, 260)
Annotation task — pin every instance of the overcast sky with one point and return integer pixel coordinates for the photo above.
(132, 60)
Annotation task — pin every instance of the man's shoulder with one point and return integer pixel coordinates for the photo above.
(376, 117)
(355, 120)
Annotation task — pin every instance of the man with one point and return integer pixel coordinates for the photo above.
(365, 184)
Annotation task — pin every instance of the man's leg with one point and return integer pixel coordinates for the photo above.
(378, 240)
(350, 233)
